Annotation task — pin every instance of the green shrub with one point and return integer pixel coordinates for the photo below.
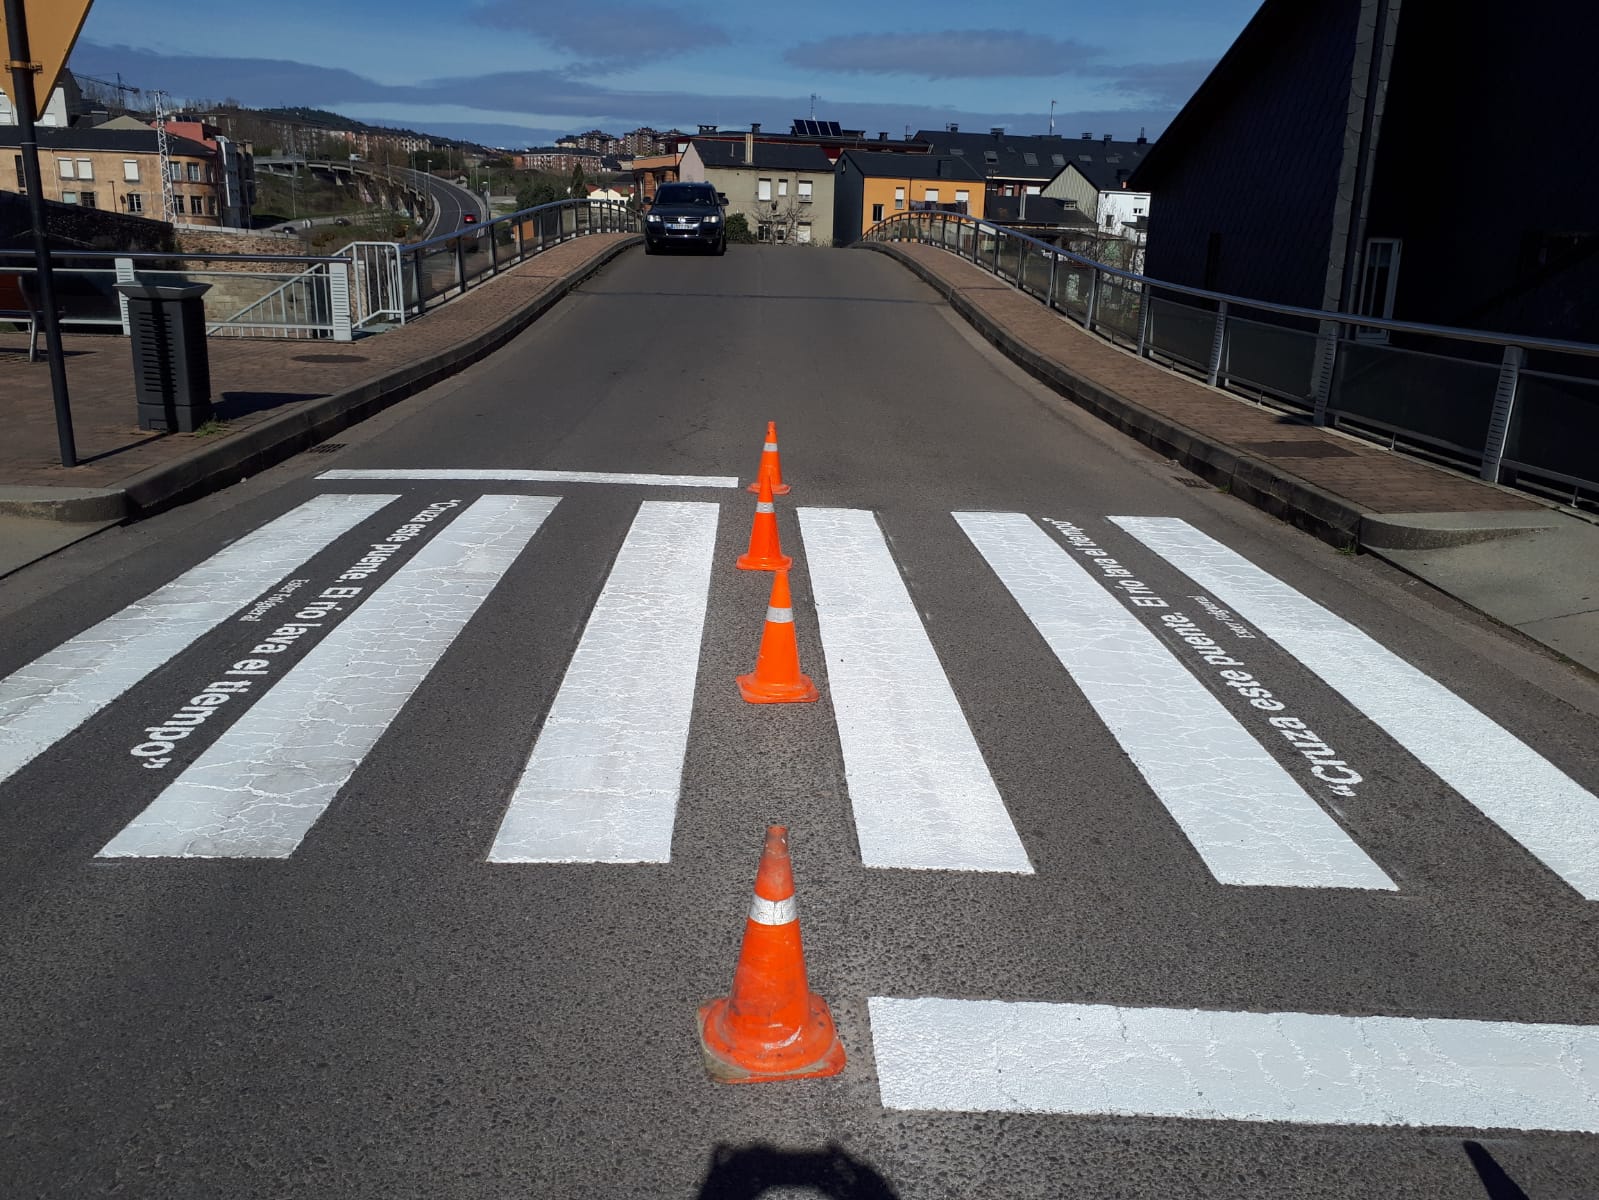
(738, 229)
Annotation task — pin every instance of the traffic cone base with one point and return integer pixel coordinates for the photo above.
(814, 1054)
(764, 562)
(758, 691)
(779, 488)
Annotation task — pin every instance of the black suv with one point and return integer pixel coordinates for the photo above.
(686, 214)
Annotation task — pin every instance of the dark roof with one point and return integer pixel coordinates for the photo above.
(912, 166)
(779, 156)
(125, 141)
(1041, 210)
(1038, 157)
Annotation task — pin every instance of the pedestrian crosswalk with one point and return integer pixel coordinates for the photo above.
(1245, 782)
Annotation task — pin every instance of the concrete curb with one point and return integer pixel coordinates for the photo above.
(210, 468)
(66, 504)
(1328, 516)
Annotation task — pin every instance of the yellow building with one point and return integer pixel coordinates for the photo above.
(872, 186)
(117, 167)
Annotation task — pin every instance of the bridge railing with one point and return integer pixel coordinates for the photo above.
(1522, 411)
(366, 286)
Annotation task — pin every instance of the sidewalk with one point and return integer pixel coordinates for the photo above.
(1528, 565)
(273, 397)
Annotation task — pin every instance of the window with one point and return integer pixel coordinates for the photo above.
(176, 171)
(211, 205)
(22, 175)
(88, 200)
(130, 170)
(763, 189)
(1033, 189)
(69, 197)
(1030, 159)
(135, 202)
(877, 213)
(85, 169)
(802, 235)
(930, 195)
(64, 165)
(1379, 277)
(804, 186)
(782, 187)
(196, 205)
(991, 157)
(963, 199)
(1058, 160)
(899, 199)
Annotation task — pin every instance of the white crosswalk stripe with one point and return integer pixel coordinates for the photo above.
(1244, 814)
(1105, 1060)
(256, 791)
(921, 793)
(57, 692)
(1509, 782)
(603, 782)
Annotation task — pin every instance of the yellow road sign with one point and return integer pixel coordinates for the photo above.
(52, 27)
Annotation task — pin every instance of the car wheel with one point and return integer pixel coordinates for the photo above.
(649, 247)
(721, 247)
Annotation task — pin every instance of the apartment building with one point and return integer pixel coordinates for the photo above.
(117, 166)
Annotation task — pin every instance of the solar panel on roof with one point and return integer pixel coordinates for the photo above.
(833, 129)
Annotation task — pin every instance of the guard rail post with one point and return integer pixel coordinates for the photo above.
(1218, 343)
(1054, 270)
(1145, 300)
(1504, 409)
(1092, 310)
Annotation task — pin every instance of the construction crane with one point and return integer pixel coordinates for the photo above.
(163, 147)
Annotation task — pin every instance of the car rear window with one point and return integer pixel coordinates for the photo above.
(676, 194)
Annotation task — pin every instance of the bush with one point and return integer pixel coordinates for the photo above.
(738, 229)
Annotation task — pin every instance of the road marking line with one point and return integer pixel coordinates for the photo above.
(1246, 816)
(603, 781)
(60, 690)
(494, 475)
(259, 788)
(1514, 786)
(1099, 1059)
(922, 795)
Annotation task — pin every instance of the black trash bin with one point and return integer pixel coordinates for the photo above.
(171, 367)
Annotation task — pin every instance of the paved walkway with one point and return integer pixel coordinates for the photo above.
(252, 380)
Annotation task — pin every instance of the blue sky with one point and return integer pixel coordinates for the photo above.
(519, 72)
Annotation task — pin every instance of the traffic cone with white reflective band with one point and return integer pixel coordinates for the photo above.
(766, 551)
(772, 1026)
(771, 464)
(777, 678)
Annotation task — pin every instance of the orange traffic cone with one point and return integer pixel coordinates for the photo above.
(771, 464)
(772, 1026)
(766, 551)
(777, 678)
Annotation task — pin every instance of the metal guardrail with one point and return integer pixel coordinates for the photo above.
(367, 285)
(1483, 406)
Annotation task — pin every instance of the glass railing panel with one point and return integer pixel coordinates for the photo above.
(1443, 401)
(1272, 359)
(1181, 331)
(1555, 426)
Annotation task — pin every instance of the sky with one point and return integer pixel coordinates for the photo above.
(522, 72)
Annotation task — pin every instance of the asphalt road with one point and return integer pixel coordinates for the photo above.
(350, 1000)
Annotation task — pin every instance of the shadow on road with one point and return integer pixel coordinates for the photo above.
(746, 1172)
(1495, 1182)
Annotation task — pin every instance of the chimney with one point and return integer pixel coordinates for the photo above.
(755, 126)
(953, 127)
(1142, 140)
(882, 136)
(1107, 141)
(749, 146)
(1088, 135)
(998, 131)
